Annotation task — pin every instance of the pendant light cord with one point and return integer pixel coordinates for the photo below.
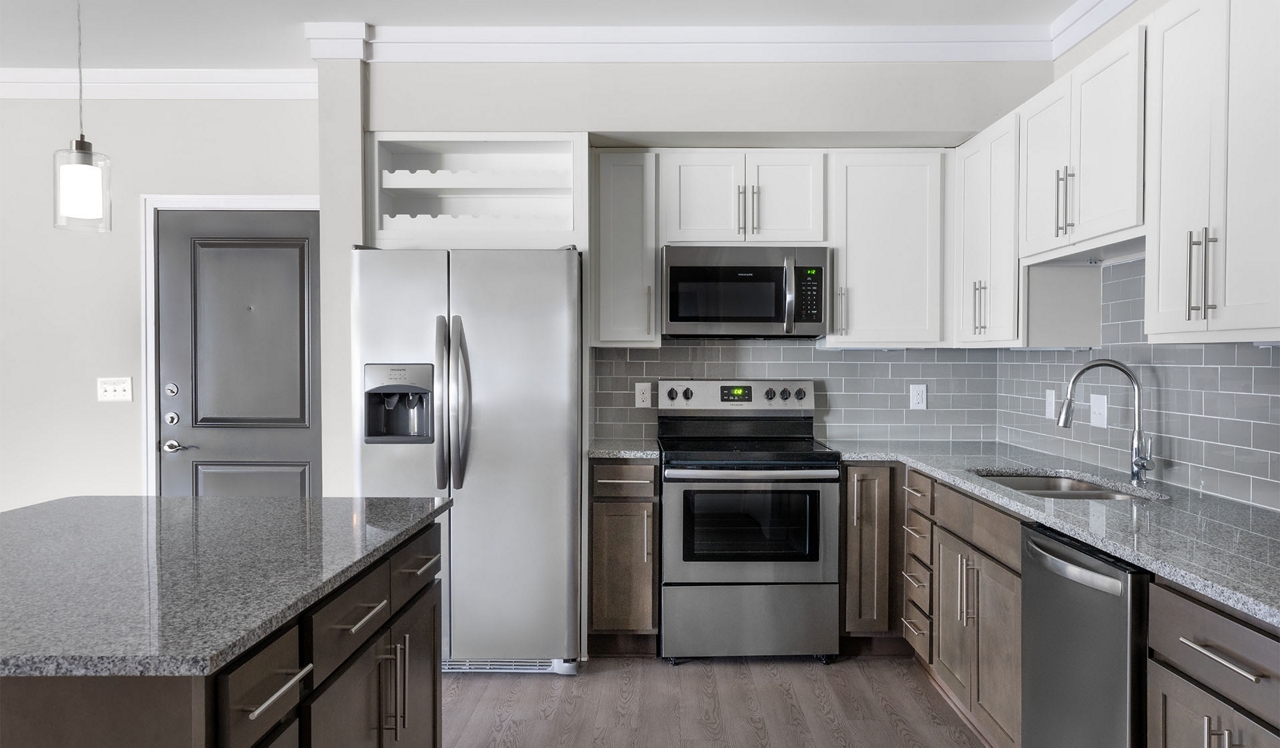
(80, 66)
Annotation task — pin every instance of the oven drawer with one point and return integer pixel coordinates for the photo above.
(917, 534)
(918, 630)
(919, 582)
(610, 481)
(919, 491)
(1220, 652)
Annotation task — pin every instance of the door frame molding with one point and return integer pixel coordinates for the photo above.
(149, 381)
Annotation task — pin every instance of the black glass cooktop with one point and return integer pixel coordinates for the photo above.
(746, 452)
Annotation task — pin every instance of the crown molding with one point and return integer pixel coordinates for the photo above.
(338, 40)
(1082, 19)
(146, 83)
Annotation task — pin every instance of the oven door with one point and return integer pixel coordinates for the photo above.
(750, 526)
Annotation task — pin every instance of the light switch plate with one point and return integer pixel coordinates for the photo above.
(1098, 410)
(644, 395)
(919, 397)
(115, 389)
(1050, 407)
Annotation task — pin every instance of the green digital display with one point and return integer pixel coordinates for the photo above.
(731, 394)
(812, 271)
(738, 390)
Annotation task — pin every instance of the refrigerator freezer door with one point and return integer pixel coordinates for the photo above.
(514, 525)
(397, 296)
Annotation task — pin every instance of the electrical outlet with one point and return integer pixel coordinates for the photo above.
(644, 395)
(1050, 407)
(919, 397)
(115, 389)
(1098, 410)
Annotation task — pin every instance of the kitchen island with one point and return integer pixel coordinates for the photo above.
(179, 621)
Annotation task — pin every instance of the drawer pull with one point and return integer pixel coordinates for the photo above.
(1204, 650)
(913, 492)
(298, 676)
(620, 480)
(368, 617)
(912, 532)
(914, 631)
(419, 572)
(912, 580)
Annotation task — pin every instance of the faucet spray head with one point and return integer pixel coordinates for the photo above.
(1064, 414)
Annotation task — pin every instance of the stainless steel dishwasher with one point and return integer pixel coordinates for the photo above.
(1084, 645)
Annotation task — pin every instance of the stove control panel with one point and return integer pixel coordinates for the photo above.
(752, 395)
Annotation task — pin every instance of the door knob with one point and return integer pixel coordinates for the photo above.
(172, 445)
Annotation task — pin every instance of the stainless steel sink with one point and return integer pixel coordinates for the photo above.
(1058, 488)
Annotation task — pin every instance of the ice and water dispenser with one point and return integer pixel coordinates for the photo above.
(398, 403)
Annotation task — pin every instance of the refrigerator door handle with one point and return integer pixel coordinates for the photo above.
(441, 397)
(459, 402)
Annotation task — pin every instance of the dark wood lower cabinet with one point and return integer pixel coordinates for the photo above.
(356, 706)
(289, 738)
(1180, 714)
(867, 536)
(623, 567)
(417, 633)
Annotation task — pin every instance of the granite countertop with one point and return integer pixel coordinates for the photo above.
(623, 449)
(1226, 550)
(136, 585)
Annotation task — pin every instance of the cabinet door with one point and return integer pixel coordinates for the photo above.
(866, 592)
(1045, 141)
(622, 567)
(996, 601)
(953, 641)
(1105, 195)
(987, 168)
(1186, 156)
(787, 199)
(703, 196)
(1244, 263)
(1177, 711)
(626, 256)
(415, 638)
(887, 224)
(354, 708)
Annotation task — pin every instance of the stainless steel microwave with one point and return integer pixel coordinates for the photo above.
(745, 292)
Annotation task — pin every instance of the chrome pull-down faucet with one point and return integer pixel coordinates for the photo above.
(1139, 463)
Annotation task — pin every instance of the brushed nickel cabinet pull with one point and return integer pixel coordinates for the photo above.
(420, 572)
(1207, 652)
(648, 308)
(912, 532)
(1067, 174)
(755, 209)
(644, 552)
(1205, 306)
(621, 480)
(857, 508)
(914, 631)
(255, 712)
(1191, 244)
(1057, 203)
(975, 307)
(913, 492)
(404, 688)
(912, 580)
(742, 209)
(367, 618)
(960, 590)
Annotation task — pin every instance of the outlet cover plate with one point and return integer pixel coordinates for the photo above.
(1098, 410)
(115, 389)
(644, 395)
(1050, 407)
(919, 397)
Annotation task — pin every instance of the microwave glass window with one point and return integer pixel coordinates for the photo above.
(714, 294)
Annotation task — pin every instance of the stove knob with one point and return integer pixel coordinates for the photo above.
(688, 394)
(769, 394)
(671, 393)
(800, 393)
(786, 393)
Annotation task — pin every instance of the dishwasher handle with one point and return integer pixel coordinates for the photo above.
(1077, 574)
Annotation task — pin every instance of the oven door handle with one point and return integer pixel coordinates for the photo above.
(758, 476)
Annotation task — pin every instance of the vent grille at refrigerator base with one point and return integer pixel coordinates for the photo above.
(558, 667)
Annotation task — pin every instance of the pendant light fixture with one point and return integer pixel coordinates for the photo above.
(81, 177)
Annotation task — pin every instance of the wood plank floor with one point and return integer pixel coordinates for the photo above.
(745, 703)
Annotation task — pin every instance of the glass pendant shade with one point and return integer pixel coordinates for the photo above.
(81, 188)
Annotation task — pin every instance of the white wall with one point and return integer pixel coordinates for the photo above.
(71, 304)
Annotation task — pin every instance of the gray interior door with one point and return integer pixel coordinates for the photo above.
(238, 353)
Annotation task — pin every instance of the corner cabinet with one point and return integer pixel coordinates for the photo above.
(886, 227)
(625, 256)
(987, 236)
(867, 537)
(1212, 196)
(1081, 143)
(722, 195)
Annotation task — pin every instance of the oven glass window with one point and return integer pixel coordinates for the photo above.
(721, 525)
(724, 294)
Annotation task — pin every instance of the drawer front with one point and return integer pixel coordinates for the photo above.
(265, 687)
(415, 566)
(919, 491)
(1222, 652)
(998, 535)
(919, 583)
(344, 623)
(917, 532)
(624, 480)
(918, 630)
(953, 511)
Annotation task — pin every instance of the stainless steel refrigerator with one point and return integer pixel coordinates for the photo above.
(468, 381)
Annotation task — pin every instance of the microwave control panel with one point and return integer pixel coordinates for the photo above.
(808, 294)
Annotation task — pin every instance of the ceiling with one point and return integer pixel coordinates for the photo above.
(254, 34)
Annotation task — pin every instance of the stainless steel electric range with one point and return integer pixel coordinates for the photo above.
(750, 512)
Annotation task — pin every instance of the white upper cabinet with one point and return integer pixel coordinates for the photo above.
(1213, 269)
(987, 234)
(1081, 150)
(886, 228)
(734, 196)
(625, 257)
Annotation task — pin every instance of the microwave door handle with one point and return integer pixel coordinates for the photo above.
(789, 291)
